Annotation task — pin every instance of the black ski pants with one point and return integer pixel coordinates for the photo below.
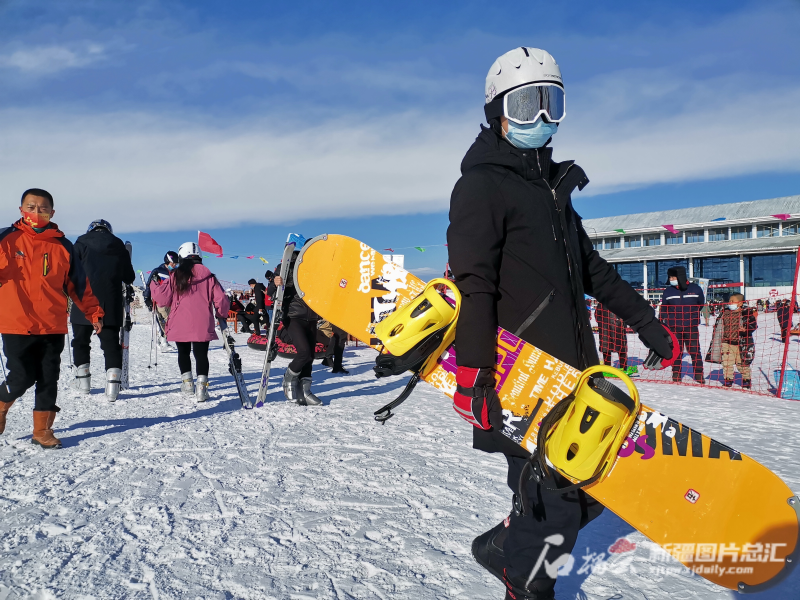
(304, 338)
(335, 350)
(547, 514)
(247, 320)
(33, 359)
(109, 342)
(689, 341)
(200, 351)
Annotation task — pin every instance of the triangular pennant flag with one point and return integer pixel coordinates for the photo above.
(420, 248)
(264, 260)
(671, 229)
(234, 257)
(251, 256)
(208, 244)
(622, 231)
(389, 250)
(782, 216)
(148, 272)
(720, 219)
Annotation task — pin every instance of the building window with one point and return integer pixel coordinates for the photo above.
(673, 238)
(633, 241)
(597, 244)
(741, 233)
(723, 269)
(612, 243)
(791, 228)
(652, 239)
(770, 230)
(633, 273)
(769, 270)
(692, 237)
(718, 235)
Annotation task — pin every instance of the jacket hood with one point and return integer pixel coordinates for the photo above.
(103, 241)
(491, 149)
(680, 273)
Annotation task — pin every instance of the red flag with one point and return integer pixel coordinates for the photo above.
(208, 244)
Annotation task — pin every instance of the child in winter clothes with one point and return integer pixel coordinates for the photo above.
(190, 293)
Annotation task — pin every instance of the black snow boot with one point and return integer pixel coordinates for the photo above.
(487, 549)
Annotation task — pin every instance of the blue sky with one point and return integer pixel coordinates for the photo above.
(249, 120)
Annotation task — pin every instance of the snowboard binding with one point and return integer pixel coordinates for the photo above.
(582, 435)
(415, 337)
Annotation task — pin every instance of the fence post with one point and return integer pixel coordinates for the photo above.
(789, 333)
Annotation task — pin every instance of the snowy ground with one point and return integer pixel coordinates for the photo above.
(155, 497)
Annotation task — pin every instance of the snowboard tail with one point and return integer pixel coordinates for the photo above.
(718, 511)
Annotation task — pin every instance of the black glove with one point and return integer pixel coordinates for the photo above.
(149, 304)
(656, 337)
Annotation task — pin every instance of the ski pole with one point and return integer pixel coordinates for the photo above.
(3, 364)
(152, 333)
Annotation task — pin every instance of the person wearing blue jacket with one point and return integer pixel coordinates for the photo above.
(680, 311)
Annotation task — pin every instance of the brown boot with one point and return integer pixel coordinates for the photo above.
(4, 406)
(42, 434)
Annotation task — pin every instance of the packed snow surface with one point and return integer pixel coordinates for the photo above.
(157, 497)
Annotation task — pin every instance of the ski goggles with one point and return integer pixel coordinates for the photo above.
(526, 104)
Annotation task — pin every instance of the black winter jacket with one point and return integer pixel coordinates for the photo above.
(523, 261)
(107, 265)
(258, 295)
(293, 305)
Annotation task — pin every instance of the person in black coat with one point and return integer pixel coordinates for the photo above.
(108, 266)
(784, 319)
(260, 314)
(522, 261)
(681, 304)
(300, 323)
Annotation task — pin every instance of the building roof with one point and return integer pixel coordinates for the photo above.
(786, 243)
(736, 212)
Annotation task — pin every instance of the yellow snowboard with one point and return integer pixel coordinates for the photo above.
(719, 512)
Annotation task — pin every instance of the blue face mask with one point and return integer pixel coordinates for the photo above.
(675, 283)
(533, 135)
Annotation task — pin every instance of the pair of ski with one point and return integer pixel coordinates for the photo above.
(294, 241)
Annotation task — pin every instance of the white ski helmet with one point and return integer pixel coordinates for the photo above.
(188, 249)
(519, 67)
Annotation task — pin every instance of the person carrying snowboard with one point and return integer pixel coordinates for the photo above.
(522, 261)
(300, 323)
(39, 269)
(191, 293)
(108, 266)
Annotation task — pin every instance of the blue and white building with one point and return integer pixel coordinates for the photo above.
(747, 246)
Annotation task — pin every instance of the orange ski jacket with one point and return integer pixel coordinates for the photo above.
(37, 272)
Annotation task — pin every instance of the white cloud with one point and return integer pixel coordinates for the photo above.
(144, 172)
(44, 60)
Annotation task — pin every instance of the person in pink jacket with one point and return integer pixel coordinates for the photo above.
(192, 292)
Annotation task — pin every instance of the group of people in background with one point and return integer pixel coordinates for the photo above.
(48, 282)
(682, 305)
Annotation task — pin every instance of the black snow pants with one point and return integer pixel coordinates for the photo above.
(200, 351)
(109, 342)
(689, 341)
(304, 338)
(248, 320)
(335, 350)
(547, 514)
(33, 359)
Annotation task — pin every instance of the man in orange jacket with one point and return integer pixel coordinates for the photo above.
(37, 271)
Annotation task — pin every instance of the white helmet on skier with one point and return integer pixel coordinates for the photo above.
(188, 249)
(523, 85)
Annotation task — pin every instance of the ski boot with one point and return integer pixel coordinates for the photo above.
(164, 346)
(83, 379)
(201, 395)
(308, 399)
(113, 381)
(292, 386)
(187, 384)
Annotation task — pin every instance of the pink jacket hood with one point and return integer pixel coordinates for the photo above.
(193, 314)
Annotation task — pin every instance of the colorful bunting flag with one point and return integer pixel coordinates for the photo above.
(420, 248)
(720, 219)
(782, 216)
(388, 250)
(622, 231)
(671, 229)
(264, 260)
(234, 257)
(251, 256)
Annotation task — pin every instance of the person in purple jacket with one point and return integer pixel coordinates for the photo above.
(190, 293)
